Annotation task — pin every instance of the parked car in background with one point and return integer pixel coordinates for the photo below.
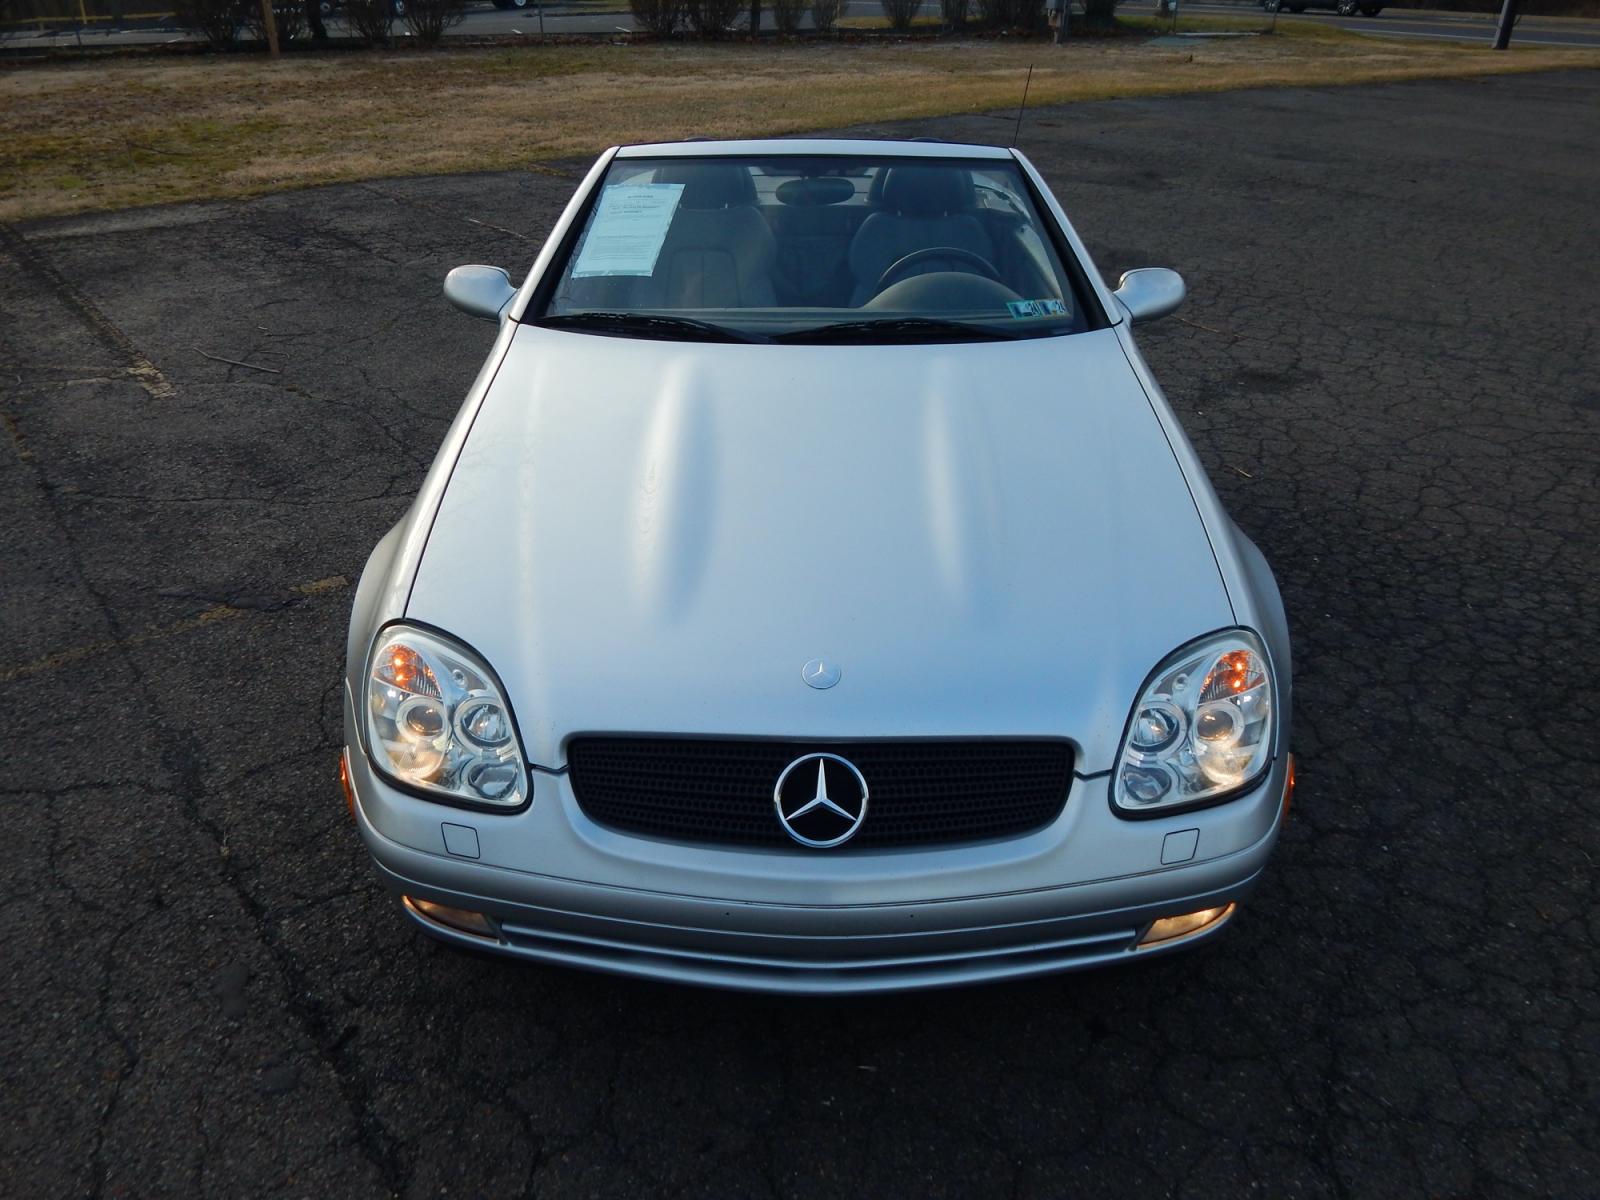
(1345, 8)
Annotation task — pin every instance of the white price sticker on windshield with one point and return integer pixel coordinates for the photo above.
(628, 230)
(1036, 308)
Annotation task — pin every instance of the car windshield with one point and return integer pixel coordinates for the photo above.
(821, 250)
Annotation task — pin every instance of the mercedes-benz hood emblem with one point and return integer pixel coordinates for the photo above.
(820, 673)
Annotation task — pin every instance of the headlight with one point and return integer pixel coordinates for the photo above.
(436, 721)
(1203, 728)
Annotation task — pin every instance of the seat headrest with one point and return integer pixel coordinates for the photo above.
(710, 185)
(919, 191)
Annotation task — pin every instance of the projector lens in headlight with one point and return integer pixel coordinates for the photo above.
(482, 721)
(1155, 728)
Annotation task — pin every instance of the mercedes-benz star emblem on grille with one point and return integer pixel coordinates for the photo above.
(821, 800)
(820, 673)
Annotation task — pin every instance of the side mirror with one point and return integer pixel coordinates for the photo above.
(479, 291)
(1149, 293)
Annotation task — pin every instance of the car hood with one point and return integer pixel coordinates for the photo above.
(987, 539)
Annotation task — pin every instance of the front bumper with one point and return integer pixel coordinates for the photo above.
(815, 923)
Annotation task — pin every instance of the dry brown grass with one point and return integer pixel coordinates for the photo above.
(101, 136)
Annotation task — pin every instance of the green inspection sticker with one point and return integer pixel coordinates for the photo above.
(1036, 308)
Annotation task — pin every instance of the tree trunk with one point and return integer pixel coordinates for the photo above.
(269, 22)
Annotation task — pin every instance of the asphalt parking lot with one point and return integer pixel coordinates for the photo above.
(1390, 364)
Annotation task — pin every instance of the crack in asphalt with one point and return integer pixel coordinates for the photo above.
(139, 367)
(224, 610)
(185, 766)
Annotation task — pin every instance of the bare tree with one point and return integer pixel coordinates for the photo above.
(657, 17)
(289, 15)
(1026, 15)
(712, 18)
(786, 14)
(215, 20)
(370, 20)
(428, 19)
(900, 13)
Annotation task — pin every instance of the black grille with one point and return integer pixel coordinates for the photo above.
(919, 793)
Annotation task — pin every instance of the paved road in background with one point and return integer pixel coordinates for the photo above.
(204, 992)
(1450, 27)
(484, 20)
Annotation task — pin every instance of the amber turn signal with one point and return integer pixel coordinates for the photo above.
(344, 781)
(460, 919)
(1170, 929)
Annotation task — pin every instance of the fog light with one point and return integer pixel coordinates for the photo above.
(1169, 928)
(460, 919)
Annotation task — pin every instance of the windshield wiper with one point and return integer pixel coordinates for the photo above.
(647, 325)
(897, 329)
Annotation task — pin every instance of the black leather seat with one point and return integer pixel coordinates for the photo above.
(922, 207)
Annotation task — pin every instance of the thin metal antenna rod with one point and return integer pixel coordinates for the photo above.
(1022, 107)
(1508, 18)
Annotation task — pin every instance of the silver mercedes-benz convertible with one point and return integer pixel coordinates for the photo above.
(816, 593)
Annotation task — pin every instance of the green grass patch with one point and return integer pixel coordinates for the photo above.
(921, 23)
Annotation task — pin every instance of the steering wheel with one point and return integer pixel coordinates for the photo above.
(948, 253)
